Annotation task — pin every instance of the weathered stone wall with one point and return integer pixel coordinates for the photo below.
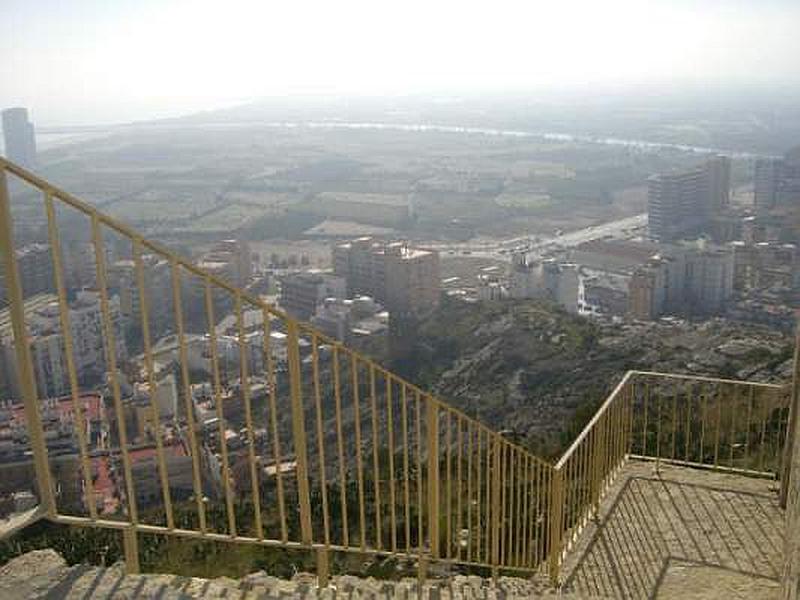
(791, 574)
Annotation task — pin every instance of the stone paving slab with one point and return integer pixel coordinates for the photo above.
(660, 533)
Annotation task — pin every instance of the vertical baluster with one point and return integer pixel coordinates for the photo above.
(689, 390)
(523, 508)
(448, 487)
(783, 428)
(503, 461)
(432, 427)
(674, 419)
(390, 428)
(299, 430)
(420, 504)
(273, 416)
(375, 463)
(479, 530)
(459, 486)
(187, 394)
(406, 494)
(151, 381)
(732, 442)
(469, 527)
(542, 493)
(109, 343)
(510, 519)
(645, 444)
(631, 395)
(323, 481)
(66, 332)
(588, 464)
(704, 417)
(337, 397)
(495, 506)
(217, 389)
(27, 379)
(718, 427)
(556, 525)
(659, 418)
(362, 515)
(244, 376)
(527, 498)
(750, 400)
(764, 416)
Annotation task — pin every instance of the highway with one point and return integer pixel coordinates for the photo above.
(538, 245)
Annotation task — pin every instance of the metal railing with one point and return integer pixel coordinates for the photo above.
(339, 454)
(702, 422)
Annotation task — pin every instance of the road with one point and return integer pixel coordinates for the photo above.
(538, 245)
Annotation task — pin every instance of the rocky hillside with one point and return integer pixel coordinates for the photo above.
(532, 368)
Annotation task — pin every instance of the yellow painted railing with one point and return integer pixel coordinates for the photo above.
(693, 421)
(339, 454)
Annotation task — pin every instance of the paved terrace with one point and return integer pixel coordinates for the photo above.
(681, 533)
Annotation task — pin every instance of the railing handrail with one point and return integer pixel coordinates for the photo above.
(636, 373)
(708, 379)
(591, 424)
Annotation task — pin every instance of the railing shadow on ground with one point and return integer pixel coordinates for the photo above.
(655, 523)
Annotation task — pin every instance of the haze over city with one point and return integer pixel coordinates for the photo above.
(89, 61)
(422, 300)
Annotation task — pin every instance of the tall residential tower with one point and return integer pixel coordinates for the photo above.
(683, 203)
(19, 137)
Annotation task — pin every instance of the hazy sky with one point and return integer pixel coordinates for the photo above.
(90, 61)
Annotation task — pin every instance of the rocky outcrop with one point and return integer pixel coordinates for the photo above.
(530, 368)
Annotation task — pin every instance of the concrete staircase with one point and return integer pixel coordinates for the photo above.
(43, 574)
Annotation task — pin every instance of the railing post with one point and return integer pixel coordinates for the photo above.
(27, 378)
(130, 545)
(598, 460)
(422, 572)
(299, 430)
(791, 430)
(495, 507)
(432, 425)
(556, 517)
(323, 568)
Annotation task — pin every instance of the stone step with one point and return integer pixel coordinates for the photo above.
(44, 575)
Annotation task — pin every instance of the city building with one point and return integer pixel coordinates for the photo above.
(777, 182)
(709, 279)
(683, 203)
(546, 279)
(490, 289)
(229, 260)
(35, 267)
(351, 320)
(763, 264)
(166, 392)
(47, 342)
(692, 279)
(405, 280)
(147, 484)
(19, 137)
(58, 420)
(123, 282)
(301, 293)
